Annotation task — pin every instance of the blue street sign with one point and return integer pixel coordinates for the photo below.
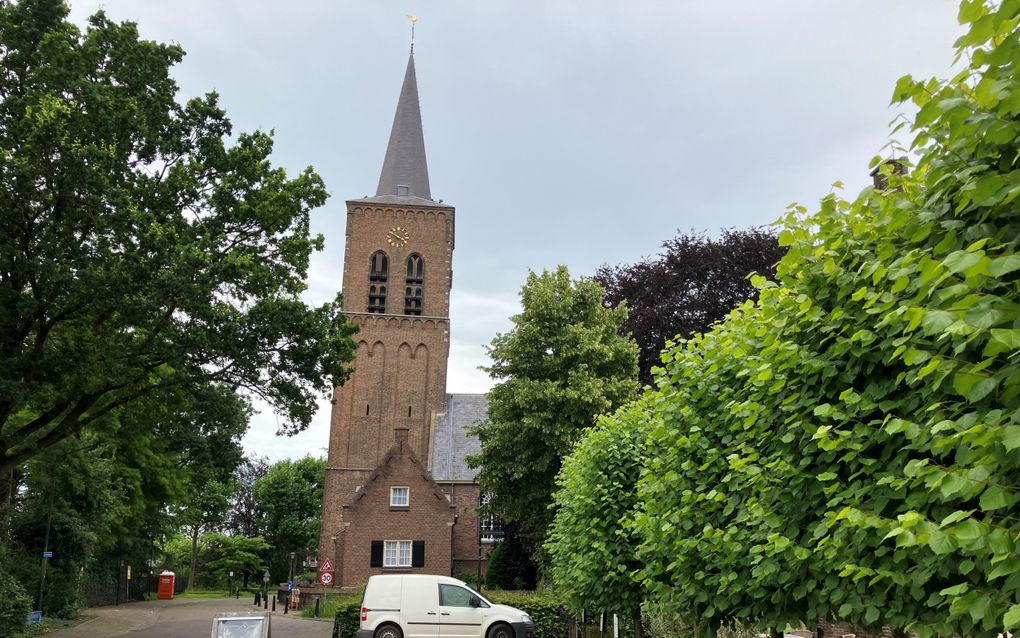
(290, 585)
(47, 554)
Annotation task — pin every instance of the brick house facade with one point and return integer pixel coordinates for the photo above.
(393, 425)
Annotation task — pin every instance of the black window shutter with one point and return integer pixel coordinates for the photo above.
(418, 554)
(376, 554)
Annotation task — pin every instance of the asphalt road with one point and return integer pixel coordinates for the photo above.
(183, 618)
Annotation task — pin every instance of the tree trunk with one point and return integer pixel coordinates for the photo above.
(639, 630)
(194, 557)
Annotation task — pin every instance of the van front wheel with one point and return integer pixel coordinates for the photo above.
(388, 631)
(500, 630)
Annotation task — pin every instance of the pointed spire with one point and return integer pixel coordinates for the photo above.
(405, 171)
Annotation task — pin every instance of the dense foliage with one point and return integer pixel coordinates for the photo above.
(849, 445)
(592, 544)
(545, 608)
(246, 516)
(291, 495)
(140, 249)
(106, 498)
(694, 282)
(348, 617)
(563, 363)
(509, 565)
(15, 605)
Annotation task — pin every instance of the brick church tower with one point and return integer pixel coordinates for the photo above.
(396, 287)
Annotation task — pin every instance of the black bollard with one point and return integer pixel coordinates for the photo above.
(258, 598)
(274, 602)
(286, 603)
(315, 614)
(265, 602)
(237, 594)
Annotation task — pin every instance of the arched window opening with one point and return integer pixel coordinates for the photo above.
(377, 299)
(415, 269)
(414, 281)
(379, 266)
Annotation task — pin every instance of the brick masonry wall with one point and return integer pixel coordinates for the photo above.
(399, 377)
(467, 550)
(429, 517)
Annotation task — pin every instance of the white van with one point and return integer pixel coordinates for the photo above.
(421, 606)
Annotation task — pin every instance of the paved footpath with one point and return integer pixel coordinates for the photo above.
(183, 618)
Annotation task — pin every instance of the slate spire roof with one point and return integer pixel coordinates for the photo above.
(405, 172)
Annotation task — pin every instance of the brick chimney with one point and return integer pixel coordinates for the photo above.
(898, 167)
(400, 434)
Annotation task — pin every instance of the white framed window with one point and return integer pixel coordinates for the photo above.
(399, 496)
(396, 553)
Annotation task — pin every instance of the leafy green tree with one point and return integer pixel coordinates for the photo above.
(205, 511)
(246, 516)
(291, 495)
(592, 544)
(849, 446)
(140, 249)
(563, 364)
(238, 554)
(509, 565)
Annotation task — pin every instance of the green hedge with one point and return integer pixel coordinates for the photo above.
(546, 610)
(542, 607)
(348, 617)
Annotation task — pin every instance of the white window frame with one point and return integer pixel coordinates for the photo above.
(490, 528)
(397, 553)
(406, 493)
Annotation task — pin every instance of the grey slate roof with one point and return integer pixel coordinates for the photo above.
(452, 443)
(404, 164)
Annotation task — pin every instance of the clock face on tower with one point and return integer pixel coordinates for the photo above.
(397, 236)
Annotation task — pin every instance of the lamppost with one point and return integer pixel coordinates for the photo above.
(290, 575)
(265, 588)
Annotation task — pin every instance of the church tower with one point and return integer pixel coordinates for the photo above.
(396, 286)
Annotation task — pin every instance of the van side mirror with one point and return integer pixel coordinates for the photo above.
(475, 602)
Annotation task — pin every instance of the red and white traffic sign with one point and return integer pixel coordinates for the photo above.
(326, 578)
(327, 565)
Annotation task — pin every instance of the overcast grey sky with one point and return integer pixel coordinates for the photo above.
(563, 131)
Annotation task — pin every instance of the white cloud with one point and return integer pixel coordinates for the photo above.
(565, 132)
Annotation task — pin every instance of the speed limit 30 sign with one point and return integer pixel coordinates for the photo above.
(326, 578)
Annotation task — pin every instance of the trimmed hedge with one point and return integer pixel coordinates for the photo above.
(544, 608)
(348, 617)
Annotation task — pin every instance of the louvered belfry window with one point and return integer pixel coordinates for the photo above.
(414, 284)
(378, 274)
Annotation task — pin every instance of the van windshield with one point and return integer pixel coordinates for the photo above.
(484, 599)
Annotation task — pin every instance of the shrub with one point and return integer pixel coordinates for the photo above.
(546, 611)
(348, 617)
(15, 605)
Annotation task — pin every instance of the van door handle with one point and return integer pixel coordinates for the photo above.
(445, 613)
(431, 613)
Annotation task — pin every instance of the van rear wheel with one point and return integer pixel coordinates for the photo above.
(388, 631)
(500, 630)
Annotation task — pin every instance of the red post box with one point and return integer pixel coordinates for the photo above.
(165, 589)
